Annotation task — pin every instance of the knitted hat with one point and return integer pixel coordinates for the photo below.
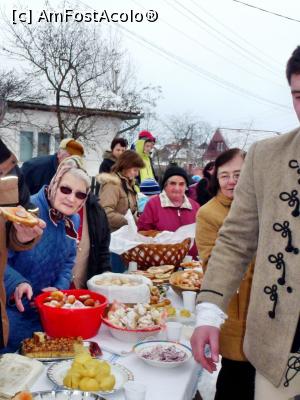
(149, 187)
(73, 147)
(5, 153)
(173, 171)
(147, 135)
(196, 178)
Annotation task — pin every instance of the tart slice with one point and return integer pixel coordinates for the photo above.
(40, 346)
(20, 215)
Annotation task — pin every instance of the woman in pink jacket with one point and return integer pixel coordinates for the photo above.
(171, 209)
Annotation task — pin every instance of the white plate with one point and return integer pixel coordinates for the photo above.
(141, 347)
(57, 371)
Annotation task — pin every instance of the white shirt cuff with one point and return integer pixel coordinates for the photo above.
(209, 314)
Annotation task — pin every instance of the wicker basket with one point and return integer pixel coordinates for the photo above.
(148, 255)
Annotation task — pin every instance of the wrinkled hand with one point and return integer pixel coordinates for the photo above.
(49, 289)
(20, 291)
(26, 234)
(202, 336)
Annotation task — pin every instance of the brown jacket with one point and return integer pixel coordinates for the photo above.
(264, 218)
(117, 195)
(8, 195)
(209, 220)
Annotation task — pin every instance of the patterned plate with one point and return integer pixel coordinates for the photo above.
(65, 395)
(57, 371)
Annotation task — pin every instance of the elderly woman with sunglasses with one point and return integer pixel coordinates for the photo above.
(236, 377)
(49, 265)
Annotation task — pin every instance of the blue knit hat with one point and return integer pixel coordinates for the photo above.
(196, 178)
(149, 187)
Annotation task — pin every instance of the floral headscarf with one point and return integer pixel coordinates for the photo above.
(65, 166)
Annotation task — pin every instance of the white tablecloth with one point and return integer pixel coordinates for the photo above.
(169, 384)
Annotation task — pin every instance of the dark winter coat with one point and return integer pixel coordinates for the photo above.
(199, 192)
(108, 161)
(39, 171)
(99, 233)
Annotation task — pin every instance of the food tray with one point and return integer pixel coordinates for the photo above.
(65, 395)
(93, 347)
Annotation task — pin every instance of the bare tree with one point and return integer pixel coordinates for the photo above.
(149, 122)
(76, 65)
(185, 134)
(15, 87)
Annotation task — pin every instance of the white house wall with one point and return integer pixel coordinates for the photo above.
(44, 121)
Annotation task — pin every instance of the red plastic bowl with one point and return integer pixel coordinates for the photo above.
(61, 322)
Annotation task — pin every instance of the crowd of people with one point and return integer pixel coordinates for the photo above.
(246, 235)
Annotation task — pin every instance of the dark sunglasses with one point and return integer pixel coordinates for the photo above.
(78, 195)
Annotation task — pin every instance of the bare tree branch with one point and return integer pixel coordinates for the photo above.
(76, 66)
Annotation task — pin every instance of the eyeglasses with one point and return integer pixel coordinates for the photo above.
(225, 178)
(78, 195)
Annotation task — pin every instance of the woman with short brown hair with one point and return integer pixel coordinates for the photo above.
(117, 192)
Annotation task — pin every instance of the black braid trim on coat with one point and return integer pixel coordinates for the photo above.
(272, 292)
(293, 367)
(285, 230)
(295, 165)
(293, 201)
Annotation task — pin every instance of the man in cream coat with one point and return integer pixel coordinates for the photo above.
(264, 220)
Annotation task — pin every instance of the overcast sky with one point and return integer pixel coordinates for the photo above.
(217, 59)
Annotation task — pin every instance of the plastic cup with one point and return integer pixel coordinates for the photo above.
(187, 259)
(132, 266)
(134, 390)
(189, 300)
(174, 331)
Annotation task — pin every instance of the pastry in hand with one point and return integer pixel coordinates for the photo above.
(19, 215)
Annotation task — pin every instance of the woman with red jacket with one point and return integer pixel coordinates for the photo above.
(171, 209)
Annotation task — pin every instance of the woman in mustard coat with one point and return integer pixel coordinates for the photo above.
(237, 375)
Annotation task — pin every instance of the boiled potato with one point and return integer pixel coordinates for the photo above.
(72, 379)
(107, 383)
(89, 374)
(104, 368)
(92, 368)
(82, 358)
(78, 368)
(89, 384)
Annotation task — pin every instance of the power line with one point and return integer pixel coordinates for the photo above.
(224, 39)
(209, 49)
(198, 70)
(251, 130)
(207, 75)
(237, 34)
(266, 11)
